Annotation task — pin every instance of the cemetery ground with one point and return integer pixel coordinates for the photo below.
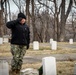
(65, 56)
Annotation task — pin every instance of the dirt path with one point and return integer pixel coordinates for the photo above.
(38, 58)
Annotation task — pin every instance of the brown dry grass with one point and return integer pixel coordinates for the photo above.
(5, 50)
(63, 68)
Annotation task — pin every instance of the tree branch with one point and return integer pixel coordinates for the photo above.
(9, 10)
(46, 6)
(51, 0)
(74, 7)
(16, 4)
(59, 8)
(69, 9)
(75, 2)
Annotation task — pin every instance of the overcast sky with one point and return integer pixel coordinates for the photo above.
(13, 7)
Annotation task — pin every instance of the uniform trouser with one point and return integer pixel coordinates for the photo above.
(18, 51)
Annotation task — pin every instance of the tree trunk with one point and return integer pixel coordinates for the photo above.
(62, 23)
(33, 22)
(64, 18)
(27, 11)
(1, 23)
(6, 18)
(55, 21)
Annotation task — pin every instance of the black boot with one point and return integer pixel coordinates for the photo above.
(40, 70)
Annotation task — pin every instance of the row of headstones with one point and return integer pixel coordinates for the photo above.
(4, 40)
(36, 43)
(52, 43)
(48, 63)
(70, 41)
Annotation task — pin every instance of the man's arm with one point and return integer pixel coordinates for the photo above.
(28, 39)
(11, 24)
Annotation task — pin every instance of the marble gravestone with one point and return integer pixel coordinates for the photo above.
(5, 40)
(70, 41)
(54, 45)
(29, 71)
(75, 69)
(51, 40)
(49, 66)
(1, 40)
(4, 68)
(36, 45)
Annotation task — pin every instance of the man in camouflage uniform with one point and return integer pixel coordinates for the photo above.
(19, 41)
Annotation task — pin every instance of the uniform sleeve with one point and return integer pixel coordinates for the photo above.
(11, 24)
(28, 36)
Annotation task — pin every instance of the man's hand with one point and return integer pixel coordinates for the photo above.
(19, 19)
(27, 47)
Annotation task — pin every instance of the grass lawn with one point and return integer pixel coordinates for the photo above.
(63, 67)
(44, 49)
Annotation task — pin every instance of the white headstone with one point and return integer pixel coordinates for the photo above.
(29, 71)
(75, 69)
(49, 66)
(54, 45)
(4, 68)
(5, 40)
(70, 41)
(51, 41)
(36, 45)
(1, 40)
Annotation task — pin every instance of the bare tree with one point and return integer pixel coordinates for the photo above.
(2, 17)
(59, 25)
(20, 4)
(27, 11)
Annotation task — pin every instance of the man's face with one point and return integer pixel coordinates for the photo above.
(23, 21)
